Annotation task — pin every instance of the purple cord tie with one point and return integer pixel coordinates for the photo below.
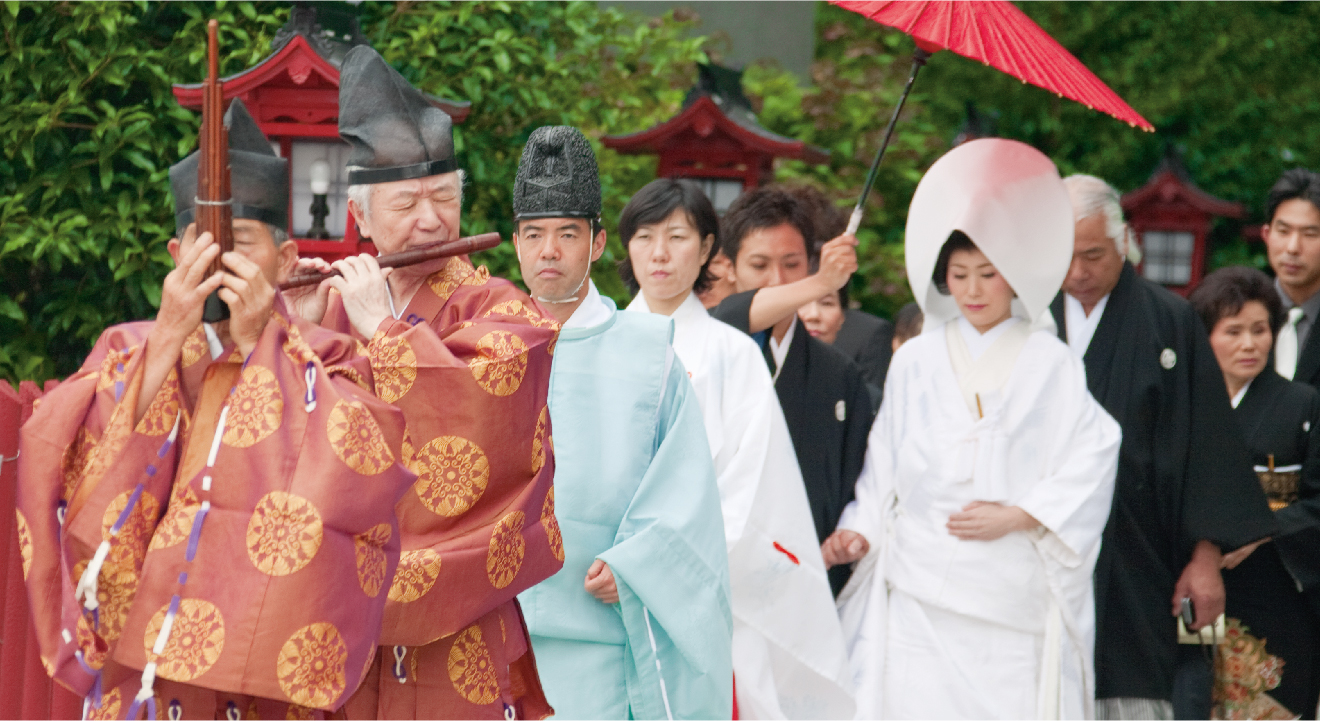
(196, 532)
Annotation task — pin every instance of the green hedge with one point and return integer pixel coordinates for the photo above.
(90, 128)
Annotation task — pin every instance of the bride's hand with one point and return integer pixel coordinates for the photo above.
(986, 521)
(844, 546)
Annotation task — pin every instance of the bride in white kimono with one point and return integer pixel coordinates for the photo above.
(788, 650)
(990, 469)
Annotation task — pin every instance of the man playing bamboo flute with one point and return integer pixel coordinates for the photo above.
(466, 357)
(206, 511)
(638, 623)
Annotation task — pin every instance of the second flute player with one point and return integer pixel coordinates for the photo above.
(467, 358)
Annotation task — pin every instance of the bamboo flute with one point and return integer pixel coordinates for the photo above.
(413, 256)
(215, 210)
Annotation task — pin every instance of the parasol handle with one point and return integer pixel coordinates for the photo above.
(919, 58)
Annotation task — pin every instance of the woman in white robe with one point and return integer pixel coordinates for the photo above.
(990, 469)
(788, 653)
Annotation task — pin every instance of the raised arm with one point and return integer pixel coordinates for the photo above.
(838, 261)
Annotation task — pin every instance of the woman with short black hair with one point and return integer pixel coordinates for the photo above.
(1268, 582)
(788, 657)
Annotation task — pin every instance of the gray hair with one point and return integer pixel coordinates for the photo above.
(278, 234)
(361, 194)
(1092, 196)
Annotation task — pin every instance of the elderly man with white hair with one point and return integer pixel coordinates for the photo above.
(467, 358)
(1185, 493)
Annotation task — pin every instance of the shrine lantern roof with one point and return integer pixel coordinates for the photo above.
(295, 89)
(1170, 189)
(1172, 217)
(715, 113)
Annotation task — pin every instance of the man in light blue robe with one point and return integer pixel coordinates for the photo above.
(637, 624)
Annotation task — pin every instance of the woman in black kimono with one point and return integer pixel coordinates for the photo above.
(1271, 584)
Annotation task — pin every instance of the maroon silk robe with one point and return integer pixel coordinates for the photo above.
(468, 363)
(250, 511)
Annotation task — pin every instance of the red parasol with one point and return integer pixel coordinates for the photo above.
(998, 34)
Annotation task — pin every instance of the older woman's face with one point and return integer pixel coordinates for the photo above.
(1242, 342)
(983, 296)
(823, 317)
(667, 256)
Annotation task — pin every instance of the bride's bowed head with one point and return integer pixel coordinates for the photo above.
(1008, 198)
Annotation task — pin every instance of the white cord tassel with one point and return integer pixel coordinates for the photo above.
(86, 589)
(310, 376)
(148, 679)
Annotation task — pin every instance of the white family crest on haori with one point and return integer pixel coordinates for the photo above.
(1008, 198)
(940, 627)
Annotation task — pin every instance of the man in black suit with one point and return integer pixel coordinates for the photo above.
(768, 235)
(1292, 239)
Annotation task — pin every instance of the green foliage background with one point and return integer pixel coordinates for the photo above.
(89, 126)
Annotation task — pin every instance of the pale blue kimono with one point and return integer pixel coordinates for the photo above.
(635, 487)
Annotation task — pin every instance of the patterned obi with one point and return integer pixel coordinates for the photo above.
(1280, 485)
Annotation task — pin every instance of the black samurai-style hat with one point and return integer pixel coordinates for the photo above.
(395, 132)
(557, 176)
(258, 179)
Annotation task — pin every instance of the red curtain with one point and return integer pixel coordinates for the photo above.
(26, 692)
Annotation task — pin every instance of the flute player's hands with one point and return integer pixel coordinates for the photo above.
(309, 302)
(365, 291)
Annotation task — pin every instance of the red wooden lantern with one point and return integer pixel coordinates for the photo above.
(716, 140)
(1171, 217)
(293, 95)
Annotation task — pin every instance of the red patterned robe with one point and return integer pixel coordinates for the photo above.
(468, 362)
(250, 512)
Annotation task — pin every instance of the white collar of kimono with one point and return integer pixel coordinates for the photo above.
(779, 349)
(688, 311)
(1242, 393)
(977, 342)
(213, 341)
(1081, 327)
(592, 312)
(1008, 198)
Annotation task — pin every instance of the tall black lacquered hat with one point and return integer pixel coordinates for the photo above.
(258, 179)
(395, 132)
(557, 176)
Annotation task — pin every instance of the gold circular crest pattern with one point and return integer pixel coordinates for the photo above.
(283, 534)
(76, 458)
(416, 574)
(24, 542)
(164, 408)
(195, 347)
(311, 665)
(551, 525)
(369, 553)
(116, 587)
(357, 440)
(195, 642)
(445, 281)
(406, 448)
(255, 410)
(538, 444)
(177, 522)
(452, 474)
(504, 558)
(500, 362)
(110, 372)
(294, 346)
(471, 669)
(110, 705)
(393, 365)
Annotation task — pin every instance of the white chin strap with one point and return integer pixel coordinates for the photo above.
(575, 297)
